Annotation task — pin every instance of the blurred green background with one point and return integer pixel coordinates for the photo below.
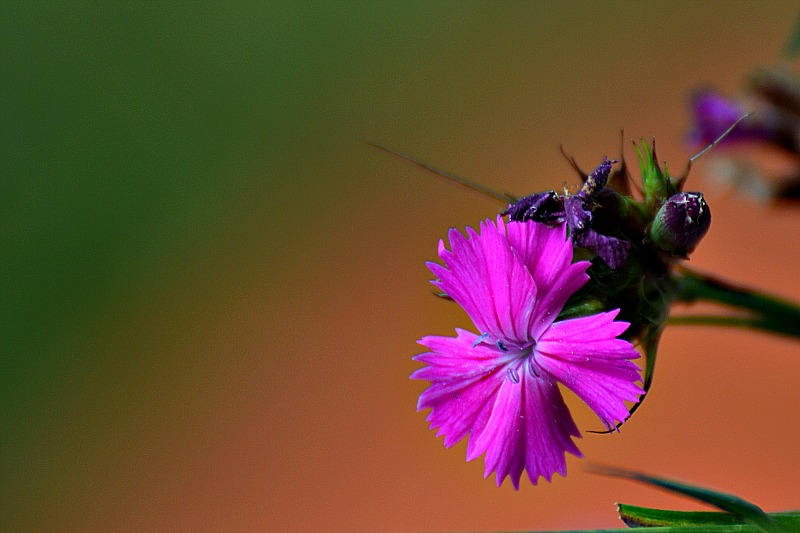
(211, 287)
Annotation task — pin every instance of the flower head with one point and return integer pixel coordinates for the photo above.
(500, 386)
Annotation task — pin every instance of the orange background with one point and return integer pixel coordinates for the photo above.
(213, 288)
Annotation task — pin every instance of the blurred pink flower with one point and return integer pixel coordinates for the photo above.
(500, 386)
(713, 113)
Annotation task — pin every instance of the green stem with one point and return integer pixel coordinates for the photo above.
(764, 312)
(714, 320)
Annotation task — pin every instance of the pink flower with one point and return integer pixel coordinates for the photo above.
(500, 386)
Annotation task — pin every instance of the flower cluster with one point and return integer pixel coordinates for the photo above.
(561, 294)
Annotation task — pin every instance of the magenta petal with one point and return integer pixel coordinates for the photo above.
(599, 369)
(463, 379)
(455, 358)
(503, 437)
(529, 429)
(547, 253)
(488, 281)
(457, 405)
(549, 430)
(553, 298)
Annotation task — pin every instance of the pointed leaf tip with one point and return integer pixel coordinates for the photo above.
(743, 510)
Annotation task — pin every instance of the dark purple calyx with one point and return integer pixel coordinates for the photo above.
(598, 178)
(545, 207)
(551, 208)
(613, 251)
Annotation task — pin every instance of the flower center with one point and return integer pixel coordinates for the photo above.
(523, 361)
(516, 357)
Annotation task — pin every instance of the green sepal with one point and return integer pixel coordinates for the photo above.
(657, 184)
(581, 307)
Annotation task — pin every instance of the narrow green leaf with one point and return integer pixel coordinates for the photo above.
(725, 523)
(742, 528)
(745, 511)
(635, 516)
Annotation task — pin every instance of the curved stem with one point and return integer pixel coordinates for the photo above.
(764, 312)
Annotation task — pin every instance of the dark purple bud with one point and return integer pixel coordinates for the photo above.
(681, 223)
(612, 250)
(598, 178)
(546, 207)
